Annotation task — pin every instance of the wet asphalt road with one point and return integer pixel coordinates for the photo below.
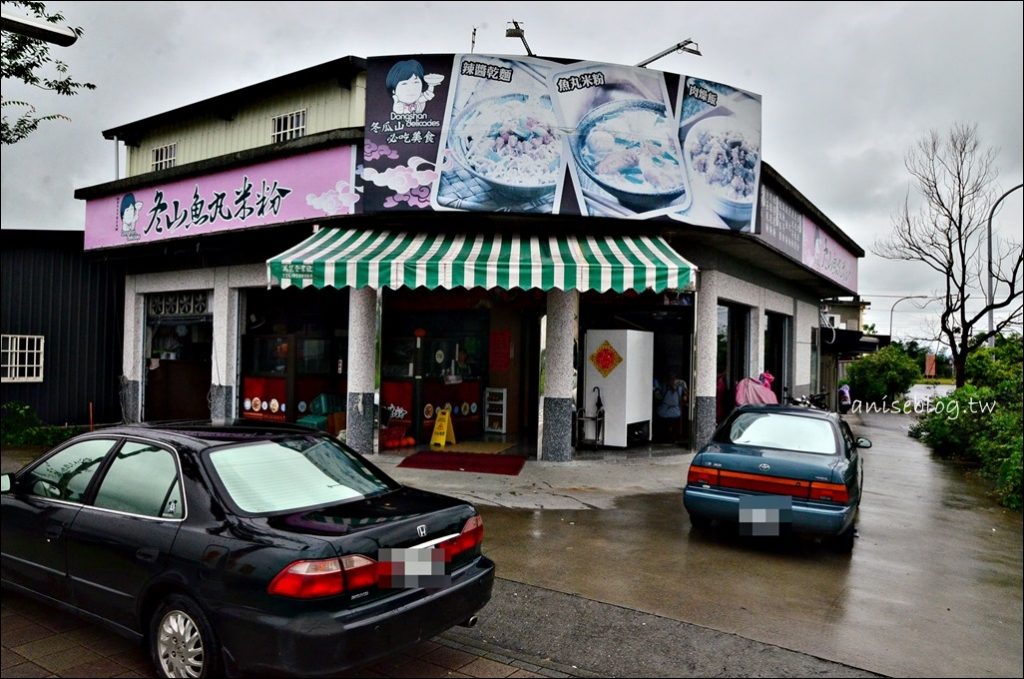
(933, 587)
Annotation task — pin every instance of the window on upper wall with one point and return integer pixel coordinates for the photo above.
(21, 358)
(164, 157)
(289, 126)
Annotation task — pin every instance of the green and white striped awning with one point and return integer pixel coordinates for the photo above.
(363, 258)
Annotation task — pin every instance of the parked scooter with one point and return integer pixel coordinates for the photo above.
(816, 401)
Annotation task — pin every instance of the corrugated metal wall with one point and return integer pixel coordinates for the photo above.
(50, 288)
(328, 107)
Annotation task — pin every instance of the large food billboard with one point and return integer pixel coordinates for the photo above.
(489, 133)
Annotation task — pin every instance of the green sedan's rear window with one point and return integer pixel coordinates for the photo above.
(778, 430)
(277, 476)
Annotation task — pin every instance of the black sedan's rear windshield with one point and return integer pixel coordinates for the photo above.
(267, 477)
(780, 430)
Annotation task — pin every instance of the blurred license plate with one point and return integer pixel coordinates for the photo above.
(764, 514)
(405, 568)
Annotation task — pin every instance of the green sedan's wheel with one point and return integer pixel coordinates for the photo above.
(843, 542)
(181, 640)
(700, 522)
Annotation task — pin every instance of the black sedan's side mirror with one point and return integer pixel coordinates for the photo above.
(6, 483)
(863, 442)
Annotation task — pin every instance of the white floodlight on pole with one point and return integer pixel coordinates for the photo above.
(517, 31)
(38, 29)
(688, 46)
(893, 308)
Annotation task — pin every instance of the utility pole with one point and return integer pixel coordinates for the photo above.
(991, 290)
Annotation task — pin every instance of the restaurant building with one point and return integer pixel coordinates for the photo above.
(536, 247)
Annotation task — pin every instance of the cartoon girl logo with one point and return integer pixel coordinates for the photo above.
(410, 89)
(130, 210)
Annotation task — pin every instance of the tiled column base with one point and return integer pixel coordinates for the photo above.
(359, 427)
(704, 420)
(558, 422)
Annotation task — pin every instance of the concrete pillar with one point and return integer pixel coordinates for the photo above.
(706, 378)
(224, 306)
(806, 317)
(756, 341)
(559, 370)
(362, 369)
(131, 361)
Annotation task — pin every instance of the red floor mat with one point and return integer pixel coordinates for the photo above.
(510, 465)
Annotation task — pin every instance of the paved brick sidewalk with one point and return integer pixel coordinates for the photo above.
(42, 641)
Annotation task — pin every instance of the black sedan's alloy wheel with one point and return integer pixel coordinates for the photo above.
(181, 640)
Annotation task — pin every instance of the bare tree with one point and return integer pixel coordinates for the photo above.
(955, 178)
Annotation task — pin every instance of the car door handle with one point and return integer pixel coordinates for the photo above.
(54, 531)
(147, 554)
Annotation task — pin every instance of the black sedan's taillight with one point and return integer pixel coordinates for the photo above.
(471, 537)
(325, 577)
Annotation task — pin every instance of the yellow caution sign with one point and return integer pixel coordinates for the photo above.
(444, 430)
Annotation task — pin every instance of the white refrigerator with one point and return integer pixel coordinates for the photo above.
(620, 363)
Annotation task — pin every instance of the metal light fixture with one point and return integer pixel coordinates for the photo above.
(688, 46)
(516, 31)
(893, 308)
(38, 29)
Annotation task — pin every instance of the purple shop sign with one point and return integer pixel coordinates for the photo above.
(825, 255)
(308, 186)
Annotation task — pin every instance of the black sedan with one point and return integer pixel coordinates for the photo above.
(241, 550)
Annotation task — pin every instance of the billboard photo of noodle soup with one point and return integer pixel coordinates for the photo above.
(502, 146)
(720, 129)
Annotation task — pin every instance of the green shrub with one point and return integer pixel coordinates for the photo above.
(991, 438)
(998, 448)
(951, 428)
(15, 420)
(883, 376)
(999, 368)
(958, 426)
(1008, 481)
(20, 426)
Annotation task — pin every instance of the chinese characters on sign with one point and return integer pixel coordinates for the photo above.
(701, 94)
(305, 186)
(822, 253)
(243, 206)
(488, 71)
(581, 81)
(405, 100)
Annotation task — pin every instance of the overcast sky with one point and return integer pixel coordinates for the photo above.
(846, 87)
